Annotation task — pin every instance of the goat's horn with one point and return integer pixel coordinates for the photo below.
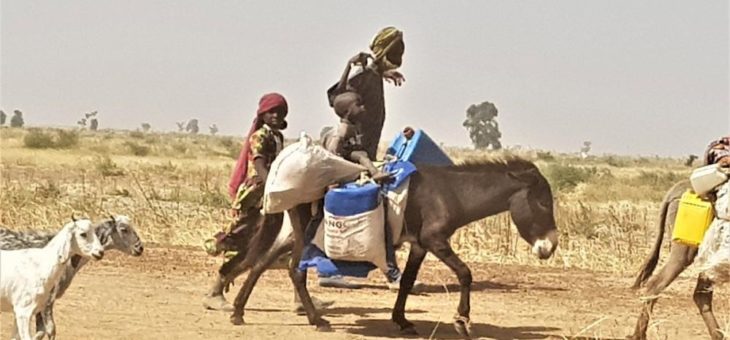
(114, 220)
(73, 217)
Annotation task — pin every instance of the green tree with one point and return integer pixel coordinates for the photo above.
(17, 120)
(481, 122)
(192, 126)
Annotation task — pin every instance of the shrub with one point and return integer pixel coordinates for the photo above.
(138, 149)
(616, 162)
(38, 139)
(227, 142)
(180, 148)
(67, 139)
(152, 139)
(100, 148)
(233, 149)
(566, 177)
(214, 199)
(545, 156)
(656, 179)
(108, 168)
(48, 191)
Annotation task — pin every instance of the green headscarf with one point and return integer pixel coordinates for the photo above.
(388, 48)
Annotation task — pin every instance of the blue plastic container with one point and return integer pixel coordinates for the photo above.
(420, 149)
(351, 199)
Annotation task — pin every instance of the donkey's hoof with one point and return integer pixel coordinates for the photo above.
(407, 328)
(237, 320)
(217, 302)
(323, 326)
(409, 331)
(462, 324)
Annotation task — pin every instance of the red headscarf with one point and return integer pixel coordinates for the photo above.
(267, 103)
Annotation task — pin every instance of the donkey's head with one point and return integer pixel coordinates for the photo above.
(82, 240)
(118, 233)
(531, 207)
(243, 231)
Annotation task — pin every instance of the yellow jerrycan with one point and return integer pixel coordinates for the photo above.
(694, 216)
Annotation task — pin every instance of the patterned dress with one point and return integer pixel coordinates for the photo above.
(265, 143)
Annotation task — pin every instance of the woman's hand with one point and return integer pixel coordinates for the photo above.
(395, 77)
(360, 58)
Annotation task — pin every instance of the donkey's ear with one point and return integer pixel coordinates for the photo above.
(528, 176)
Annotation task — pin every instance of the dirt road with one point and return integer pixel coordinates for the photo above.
(157, 296)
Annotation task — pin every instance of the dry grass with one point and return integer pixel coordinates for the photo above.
(173, 185)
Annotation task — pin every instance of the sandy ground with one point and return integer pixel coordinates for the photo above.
(158, 296)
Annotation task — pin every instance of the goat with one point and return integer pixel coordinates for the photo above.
(28, 276)
(116, 233)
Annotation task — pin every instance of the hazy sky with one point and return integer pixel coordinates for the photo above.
(634, 77)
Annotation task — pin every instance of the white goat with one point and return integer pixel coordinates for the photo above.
(29, 276)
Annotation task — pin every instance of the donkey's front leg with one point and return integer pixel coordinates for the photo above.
(299, 278)
(441, 248)
(214, 299)
(259, 268)
(415, 259)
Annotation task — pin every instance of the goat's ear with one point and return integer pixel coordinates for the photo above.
(528, 176)
(64, 253)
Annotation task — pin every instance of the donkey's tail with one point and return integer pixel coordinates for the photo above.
(651, 262)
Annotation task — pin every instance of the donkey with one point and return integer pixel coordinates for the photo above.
(441, 200)
(681, 257)
(116, 233)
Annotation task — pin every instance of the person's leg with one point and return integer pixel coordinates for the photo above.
(393, 273)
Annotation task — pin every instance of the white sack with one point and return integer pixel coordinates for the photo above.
(302, 172)
(359, 237)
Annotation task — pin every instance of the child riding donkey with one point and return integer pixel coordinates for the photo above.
(346, 140)
(358, 100)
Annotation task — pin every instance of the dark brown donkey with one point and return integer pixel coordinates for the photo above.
(680, 257)
(440, 200)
